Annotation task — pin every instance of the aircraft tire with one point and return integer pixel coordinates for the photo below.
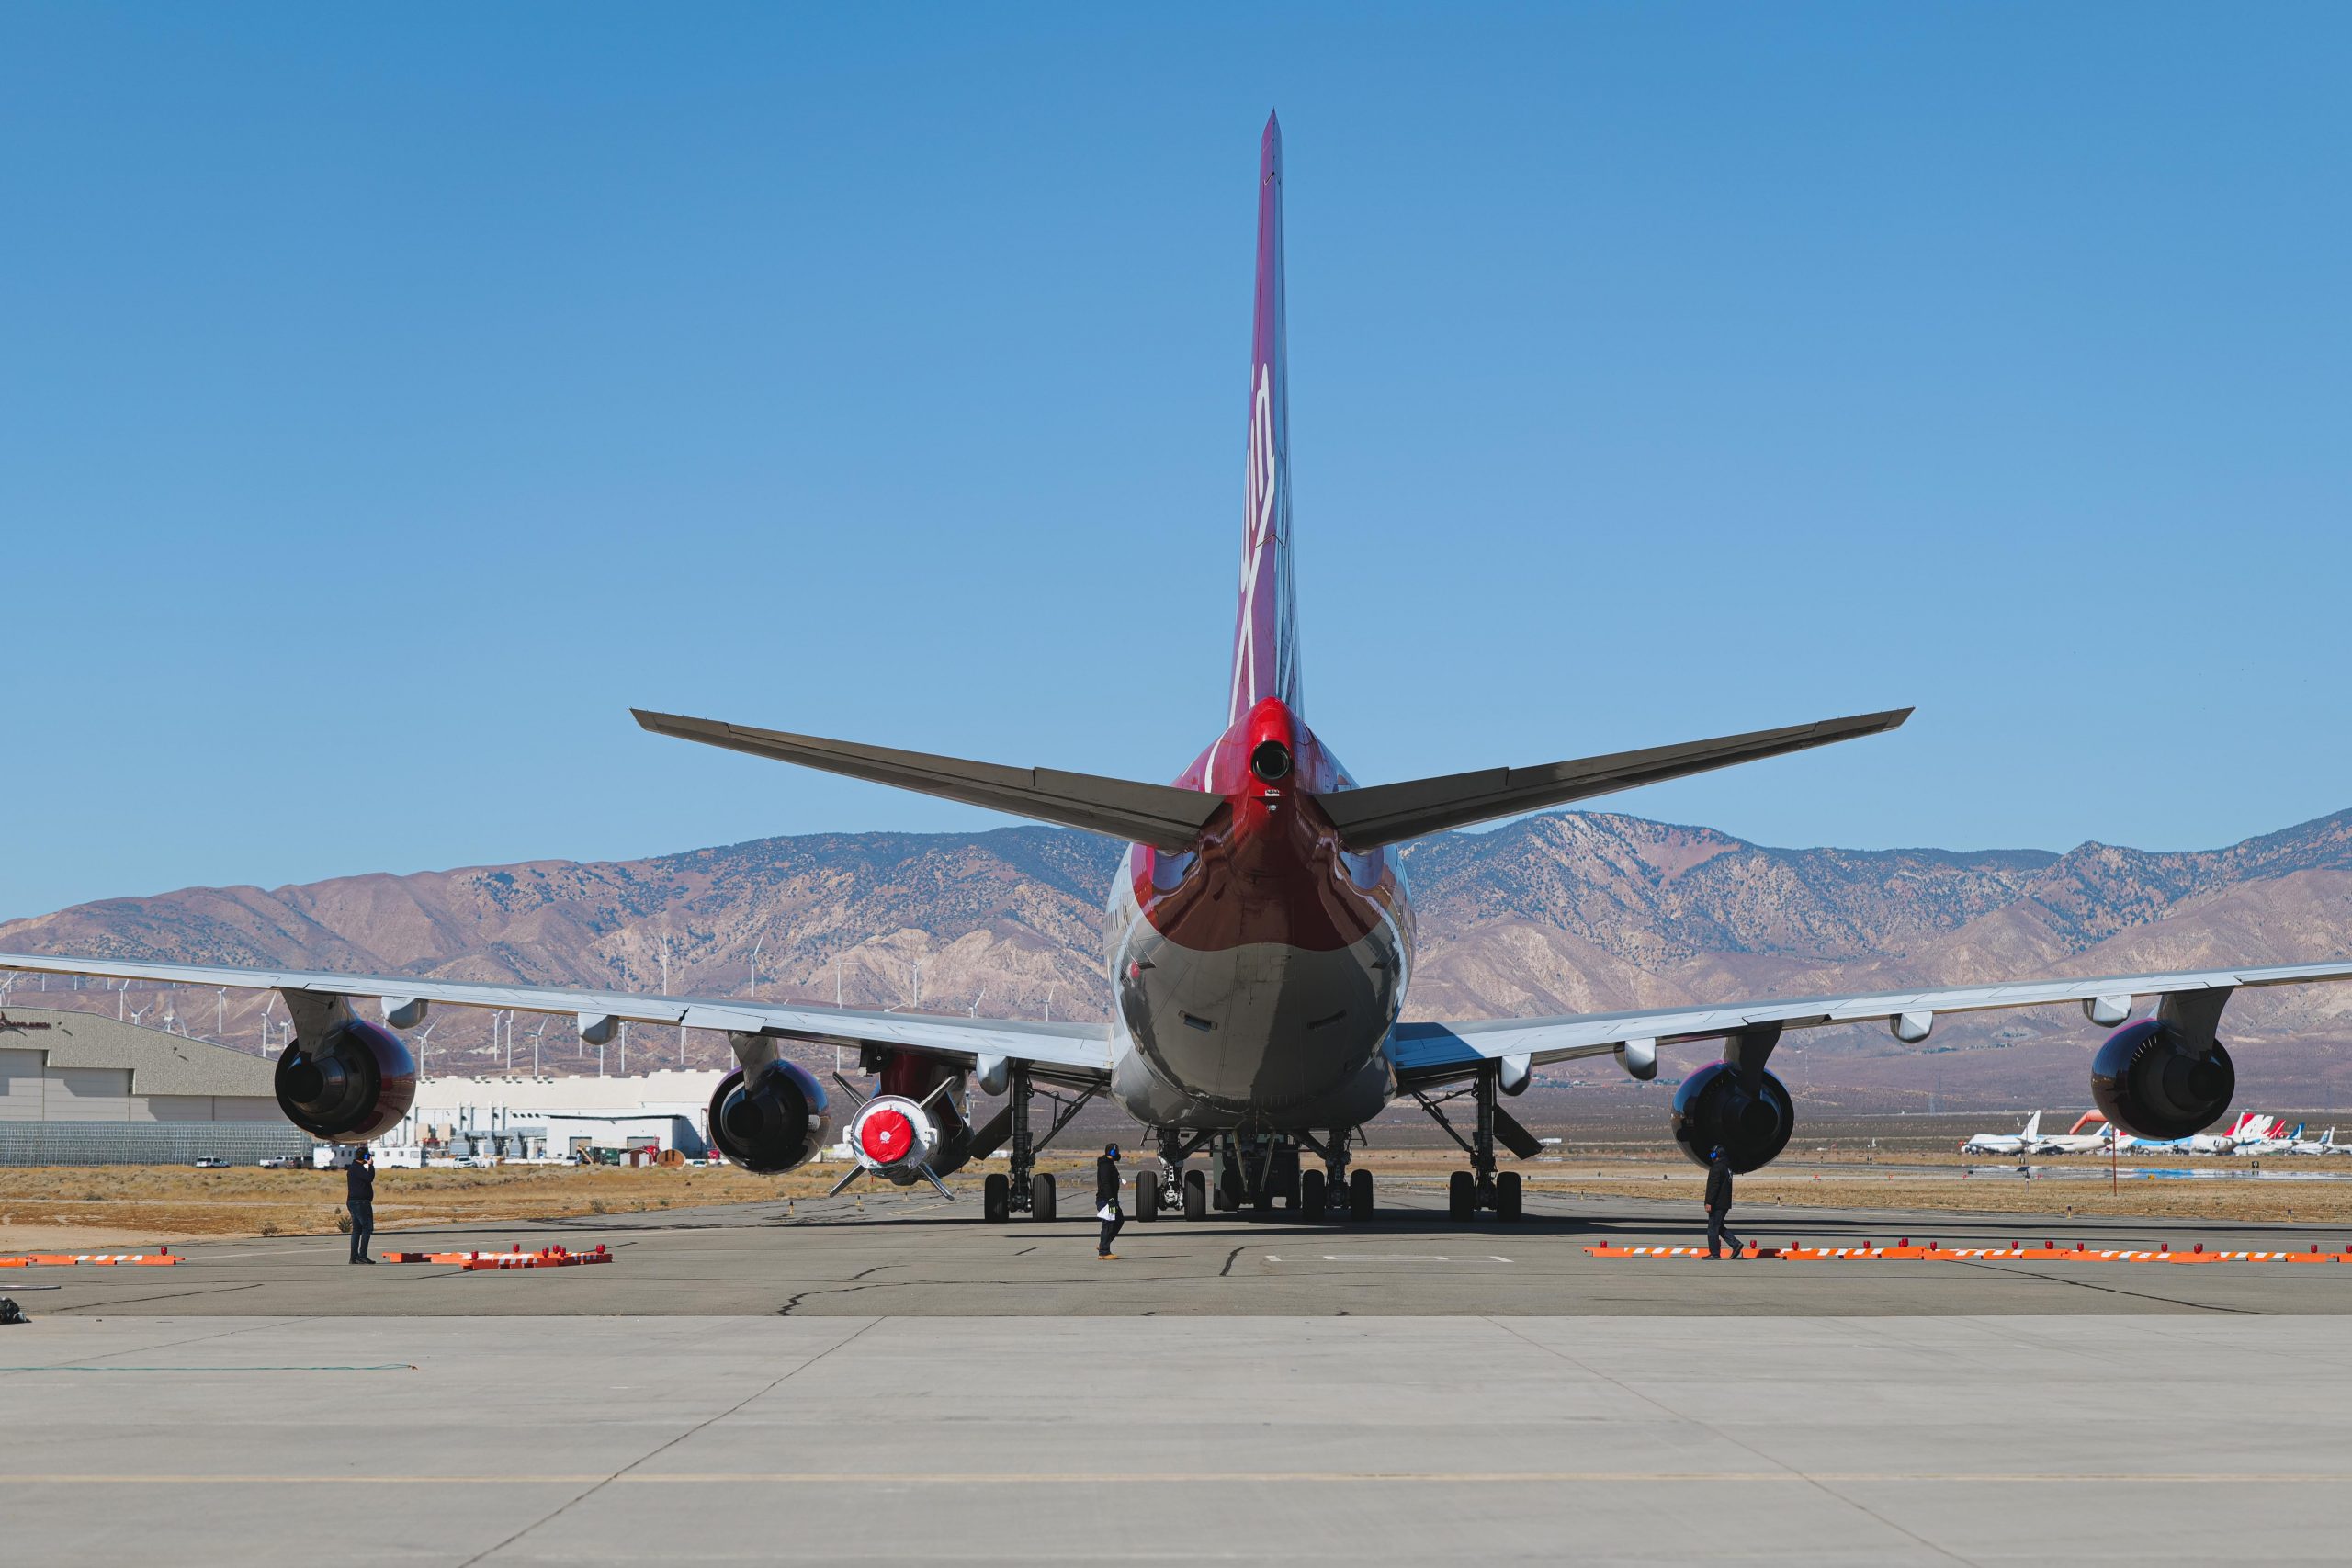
(1461, 1196)
(1507, 1195)
(1196, 1195)
(1311, 1196)
(1147, 1196)
(996, 1198)
(1041, 1196)
(1360, 1196)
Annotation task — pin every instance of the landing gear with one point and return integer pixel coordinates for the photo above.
(1147, 1198)
(1320, 1190)
(1467, 1191)
(1196, 1195)
(1026, 1189)
(996, 1198)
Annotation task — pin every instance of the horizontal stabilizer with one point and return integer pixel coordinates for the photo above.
(1383, 814)
(1159, 815)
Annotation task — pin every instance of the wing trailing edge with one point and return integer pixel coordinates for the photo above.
(1383, 814)
(1159, 815)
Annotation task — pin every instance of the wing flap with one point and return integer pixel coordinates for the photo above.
(1433, 1052)
(1083, 1049)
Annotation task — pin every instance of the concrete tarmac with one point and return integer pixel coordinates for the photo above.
(827, 1381)
(916, 1255)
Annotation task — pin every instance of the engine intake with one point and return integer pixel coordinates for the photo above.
(1712, 1109)
(2151, 1082)
(352, 1084)
(772, 1123)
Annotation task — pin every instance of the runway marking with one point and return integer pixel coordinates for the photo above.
(1223, 1478)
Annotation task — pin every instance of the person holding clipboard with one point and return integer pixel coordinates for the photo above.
(1106, 1199)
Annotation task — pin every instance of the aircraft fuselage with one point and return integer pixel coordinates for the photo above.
(1255, 977)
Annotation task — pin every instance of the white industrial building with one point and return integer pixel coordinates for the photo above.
(559, 1117)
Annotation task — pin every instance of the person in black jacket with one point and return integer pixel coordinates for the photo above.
(1106, 1199)
(360, 1197)
(1719, 1205)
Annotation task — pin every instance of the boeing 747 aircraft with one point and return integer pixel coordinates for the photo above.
(1258, 949)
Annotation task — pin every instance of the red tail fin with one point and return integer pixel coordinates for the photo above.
(1265, 635)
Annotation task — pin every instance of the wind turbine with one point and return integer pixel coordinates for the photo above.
(423, 1041)
(220, 1023)
(753, 989)
(535, 1034)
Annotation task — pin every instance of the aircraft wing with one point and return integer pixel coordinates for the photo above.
(1072, 1052)
(1427, 1054)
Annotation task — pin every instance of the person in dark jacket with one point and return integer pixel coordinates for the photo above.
(1719, 1205)
(1106, 1199)
(360, 1197)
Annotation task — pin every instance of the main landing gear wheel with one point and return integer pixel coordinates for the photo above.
(1310, 1196)
(1461, 1196)
(1147, 1196)
(1507, 1195)
(996, 1198)
(1041, 1196)
(1196, 1195)
(1360, 1196)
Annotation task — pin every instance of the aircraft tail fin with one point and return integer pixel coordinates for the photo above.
(2032, 1126)
(1265, 628)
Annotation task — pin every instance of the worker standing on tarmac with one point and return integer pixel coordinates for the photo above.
(360, 1197)
(1106, 1199)
(1719, 1205)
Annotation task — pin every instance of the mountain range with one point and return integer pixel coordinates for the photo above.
(1564, 912)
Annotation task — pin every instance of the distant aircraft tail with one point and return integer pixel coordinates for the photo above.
(2032, 1126)
(1265, 630)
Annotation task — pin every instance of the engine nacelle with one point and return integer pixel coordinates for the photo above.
(773, 1121)
(1711, 1111)
(2152, 1083)
(353, 1083)
(893, 1137)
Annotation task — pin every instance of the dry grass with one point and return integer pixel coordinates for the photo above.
(168, 1202)
(128, 1204)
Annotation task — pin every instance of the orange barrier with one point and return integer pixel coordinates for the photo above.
(161, 1255)
(545, 1257)
(1933, 1252)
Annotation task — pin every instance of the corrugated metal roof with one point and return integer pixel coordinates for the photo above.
(159, 1062)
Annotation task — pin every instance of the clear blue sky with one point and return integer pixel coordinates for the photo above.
(389, 399)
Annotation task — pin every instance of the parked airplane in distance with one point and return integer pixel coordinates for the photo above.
(2324, 1144)
(2250, 1127)
(2021, 1142)
(1258, 955)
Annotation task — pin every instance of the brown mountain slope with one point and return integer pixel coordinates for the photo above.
(1562, 913)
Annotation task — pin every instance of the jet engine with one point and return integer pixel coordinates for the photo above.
(2151, 1082)
(353, 1083)
(773, 1121)
(1713, 1110)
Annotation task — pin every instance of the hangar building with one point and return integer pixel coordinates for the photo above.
(83, 1089)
